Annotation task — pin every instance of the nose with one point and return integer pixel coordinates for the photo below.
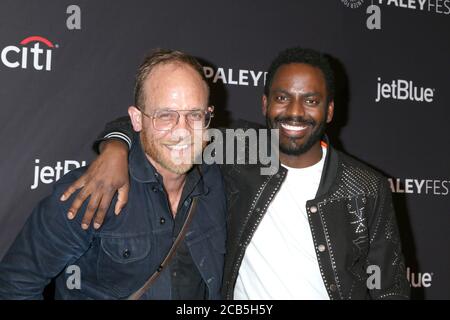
(296, 108)
(182, 123)
(182, 130)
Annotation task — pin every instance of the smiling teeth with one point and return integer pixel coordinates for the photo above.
(293, 128)
(179, 146)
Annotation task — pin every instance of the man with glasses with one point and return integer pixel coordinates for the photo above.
(169, 242)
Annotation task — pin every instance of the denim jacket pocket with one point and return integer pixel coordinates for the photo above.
(216, 236)
(218, 240)
(124, 263)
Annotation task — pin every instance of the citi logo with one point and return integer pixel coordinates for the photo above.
(403, 90)
(39, 56)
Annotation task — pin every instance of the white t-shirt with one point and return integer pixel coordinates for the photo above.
(280, 262)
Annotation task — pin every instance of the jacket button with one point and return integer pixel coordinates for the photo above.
(126, 253)
(162, 220)
(257, 210)
(321, 248)
(154, 189)
(333, 287)
(313, 209)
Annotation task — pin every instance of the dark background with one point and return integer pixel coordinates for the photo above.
(55, 115)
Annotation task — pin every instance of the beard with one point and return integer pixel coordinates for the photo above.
(176, 161)
(292, 146)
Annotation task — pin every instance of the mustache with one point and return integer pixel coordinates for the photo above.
(175, 142)
(295, 120)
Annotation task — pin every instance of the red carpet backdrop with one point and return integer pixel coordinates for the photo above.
(67, 67)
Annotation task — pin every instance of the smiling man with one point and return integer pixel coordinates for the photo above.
(169, 242)
(322, 227)
(296, 102)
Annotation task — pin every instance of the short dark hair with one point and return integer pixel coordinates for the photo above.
(157, 57)
(301, 55)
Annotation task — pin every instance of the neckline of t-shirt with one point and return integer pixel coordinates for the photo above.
(315, 166)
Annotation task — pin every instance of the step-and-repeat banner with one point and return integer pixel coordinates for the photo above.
(67, 67)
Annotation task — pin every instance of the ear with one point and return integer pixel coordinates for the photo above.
(136, 118)
(264, 105)
(330, 111)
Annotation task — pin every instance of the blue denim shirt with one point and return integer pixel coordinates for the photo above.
(117, 259)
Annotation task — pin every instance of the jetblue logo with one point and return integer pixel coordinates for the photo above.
(34, 52)
(403, 90)
(50, 174)
(419, 279)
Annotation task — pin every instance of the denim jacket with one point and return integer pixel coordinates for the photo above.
(116, 260)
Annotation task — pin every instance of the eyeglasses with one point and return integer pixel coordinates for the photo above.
(166, 119)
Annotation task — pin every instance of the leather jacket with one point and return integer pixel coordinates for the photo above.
(352, 221)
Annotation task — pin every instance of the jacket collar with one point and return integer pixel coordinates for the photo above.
(329, 169)
(140, 168)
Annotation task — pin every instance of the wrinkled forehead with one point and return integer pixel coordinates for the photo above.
(175, 85)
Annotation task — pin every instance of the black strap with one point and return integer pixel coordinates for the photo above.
(138, 294)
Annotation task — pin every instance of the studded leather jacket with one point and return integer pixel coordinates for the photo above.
(352, 222)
